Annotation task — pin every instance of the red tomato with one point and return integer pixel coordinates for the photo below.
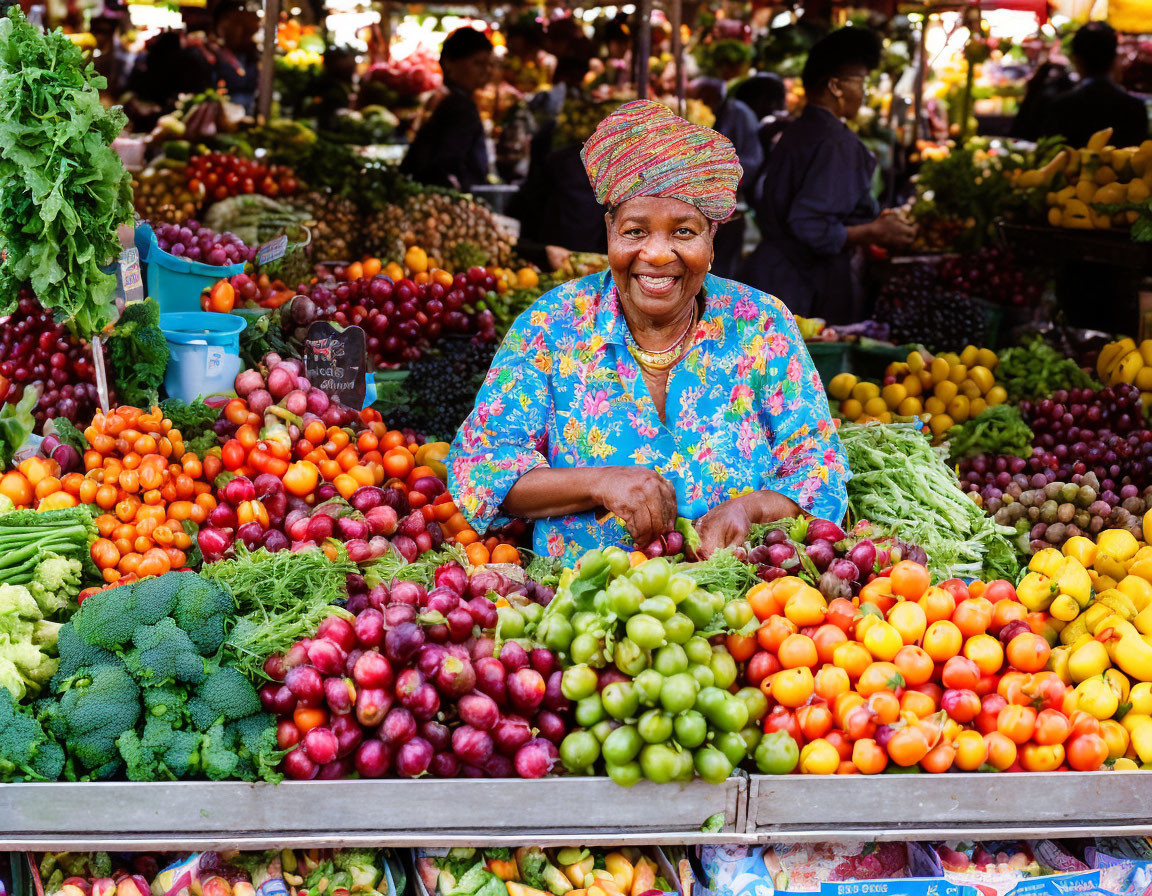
(956, 588)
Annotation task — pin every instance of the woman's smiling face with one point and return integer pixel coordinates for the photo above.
(659, 250)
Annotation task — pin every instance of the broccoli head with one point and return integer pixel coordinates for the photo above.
(76, 654)
(97, 706)
(154, 598)
(218, 759)
(225, 694)
(107, 619)
(166, 701)
(160, 752)
(255, 744)
(27, 752)
(164, 652)
(203, 609)
(56, 583)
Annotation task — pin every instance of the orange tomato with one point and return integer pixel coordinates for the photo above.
(986, 652)
(815, 720)
(914, 664)
(909, 580)
(47, 486)
(830, 682)
(1052, 727)
(942, 639)
(1087, 752)
(878, 592)
(797, 650)
(879, 676)
(971, 751)
(939, 759)
(506, 553)
(1028, 652)
(306, 719)
(1005, 611)
(908, 746)
(886, 706)
(104, 553)
(868, 757)
(477, 554)
(917, 702)
(15, 486)
(851, 656)
(762, 601)
(826, 638)
(1017, 723)
(793, 687)
(973, 616)
(937, 604)
(741, 647)
(773, 632)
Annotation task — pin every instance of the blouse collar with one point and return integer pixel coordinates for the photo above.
(612, 329)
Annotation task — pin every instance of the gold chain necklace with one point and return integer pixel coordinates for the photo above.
(664, 359)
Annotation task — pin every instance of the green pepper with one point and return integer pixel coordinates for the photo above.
(678, 693)
(654, 726)
(712, 765)
(589, 710)
(555, 632)
(661, 607)
(732, 745)
(579, 751)
(622, 745)
(659, 762)
(777, 753)
(624, 775)
(592, 565)
(629, 657)
(510, 623)
(691, 729)
(652, 576)
(621, 699)
(578, 682)
(679, 629)
(624, 598)
(670, 659)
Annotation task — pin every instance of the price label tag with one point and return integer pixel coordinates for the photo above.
(335, 361)
(129, 283)
(272, 250)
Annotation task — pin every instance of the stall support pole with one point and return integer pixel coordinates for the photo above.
(642, 46)
(267, 60)
(386, 28)
(675, 15)
(921, 72)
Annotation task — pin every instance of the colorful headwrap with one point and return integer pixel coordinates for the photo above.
(643, 149)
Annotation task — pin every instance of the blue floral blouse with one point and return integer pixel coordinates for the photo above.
(745, 411)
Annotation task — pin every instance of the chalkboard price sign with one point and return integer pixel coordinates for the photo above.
(334, 362)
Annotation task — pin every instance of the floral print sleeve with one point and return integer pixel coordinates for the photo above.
(503, 436)
(808, 463)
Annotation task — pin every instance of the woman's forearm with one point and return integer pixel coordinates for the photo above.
(547, 492)
(860, 234)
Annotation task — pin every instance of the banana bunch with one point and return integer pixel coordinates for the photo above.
(1123, 361)
(1081, 181)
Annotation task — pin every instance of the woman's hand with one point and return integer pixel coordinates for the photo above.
(642, 498)
(728, 524)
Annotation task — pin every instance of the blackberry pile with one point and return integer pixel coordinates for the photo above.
(441, 387)
(919, 310)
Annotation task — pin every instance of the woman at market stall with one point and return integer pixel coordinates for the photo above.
(816, 208)
(449, 150)
(623, 400)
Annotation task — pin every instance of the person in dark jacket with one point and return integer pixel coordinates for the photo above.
(449, 150)
(1097, 102)
(1050, 81)
(816, 207)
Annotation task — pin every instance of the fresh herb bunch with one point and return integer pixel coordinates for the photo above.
(1036, 370)
(63, 191)
(999, 430)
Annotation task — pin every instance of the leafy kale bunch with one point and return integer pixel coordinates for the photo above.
(63, 191)
(141, 690)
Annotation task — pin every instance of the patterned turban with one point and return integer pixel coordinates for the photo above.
(643, 149)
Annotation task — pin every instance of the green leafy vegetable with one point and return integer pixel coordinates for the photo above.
(1036, 370)
(63, 191)
(900, 482)
(281, 598)
(194, 422)
(68, 434)
(998, 430)
(138, 354)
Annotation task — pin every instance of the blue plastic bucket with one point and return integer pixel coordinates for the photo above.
(176, 283)
(205, 352)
